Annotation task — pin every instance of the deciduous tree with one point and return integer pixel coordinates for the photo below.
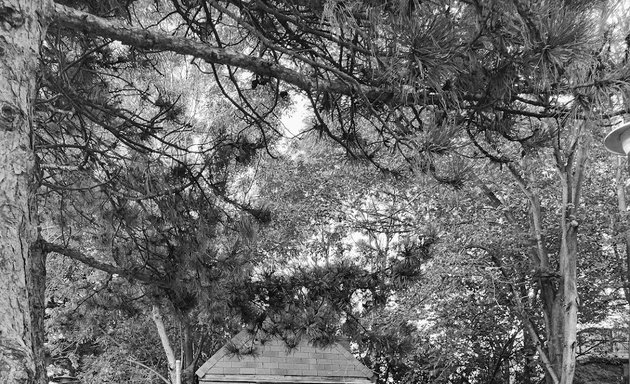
(373, 71)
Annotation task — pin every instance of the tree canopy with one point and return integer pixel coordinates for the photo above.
(445, 203)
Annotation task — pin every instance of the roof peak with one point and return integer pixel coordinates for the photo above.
(267, 358)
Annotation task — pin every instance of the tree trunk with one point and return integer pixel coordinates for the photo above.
(529, 349)
(560, 299)
(555, 333)
(539, 257)
(571, 174)
(37, 294)
(166, 344)
(549, 292)
(22, 28)
(568, 257)
(188, 359)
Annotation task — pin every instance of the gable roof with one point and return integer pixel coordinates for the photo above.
(273, 361)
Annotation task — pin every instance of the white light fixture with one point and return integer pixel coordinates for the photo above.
(618, 141)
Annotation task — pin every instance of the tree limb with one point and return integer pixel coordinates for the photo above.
(105, 267)
(77, 20)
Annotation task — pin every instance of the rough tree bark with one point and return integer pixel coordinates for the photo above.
(22, 28)
(36, 284)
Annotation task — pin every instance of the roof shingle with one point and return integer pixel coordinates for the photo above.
(273, 361)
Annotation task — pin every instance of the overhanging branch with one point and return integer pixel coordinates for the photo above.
(151, 40)
(345, 84)
(132, 274)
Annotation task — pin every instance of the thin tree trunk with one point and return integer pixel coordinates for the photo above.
(188, 359)
(550, 296)
(554, 333)
(568, 258)
(539, 257)
(571, 174)
(545, 363)
(166, 344)
(550, 372)
(528, 345)
(37, 293)
(22, 29)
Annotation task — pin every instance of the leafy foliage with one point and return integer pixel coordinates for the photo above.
(460, 134)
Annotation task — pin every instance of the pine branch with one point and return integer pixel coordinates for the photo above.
(133, 274)
(344, 84)
(77, 20)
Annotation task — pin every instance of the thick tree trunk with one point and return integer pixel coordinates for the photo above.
(22, 28)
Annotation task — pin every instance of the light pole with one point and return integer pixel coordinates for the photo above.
(618, 141)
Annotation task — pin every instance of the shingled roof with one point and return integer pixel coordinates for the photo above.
(273, 362)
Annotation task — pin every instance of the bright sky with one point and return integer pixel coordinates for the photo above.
(293, 119)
